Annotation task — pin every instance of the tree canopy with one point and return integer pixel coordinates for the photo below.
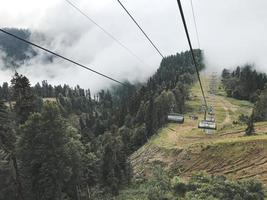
(243, 83)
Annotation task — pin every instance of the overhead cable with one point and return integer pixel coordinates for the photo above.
(105, 31)
(144, 33)
(195, 22)
(191, 50)
(62, 57)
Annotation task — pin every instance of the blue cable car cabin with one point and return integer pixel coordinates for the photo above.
(175, 117)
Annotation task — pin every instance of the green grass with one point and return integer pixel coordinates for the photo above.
(260, 137)
(239, 103)
(162, 139)
(227, 143)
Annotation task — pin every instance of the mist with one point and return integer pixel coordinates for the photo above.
(231, 33)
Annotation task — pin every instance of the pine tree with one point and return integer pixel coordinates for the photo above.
(115, 169)
(25, 100)
(50, 154)
(261, 106)
(250, 130)
(7, 144)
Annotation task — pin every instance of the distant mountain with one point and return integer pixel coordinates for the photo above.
(15, 51)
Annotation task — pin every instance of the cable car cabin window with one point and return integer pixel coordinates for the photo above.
(204, 124)
(174, 117)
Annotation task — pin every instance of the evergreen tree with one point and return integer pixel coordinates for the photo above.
(50, 155)
(236, 83)
(115, 169)
(250, 130)
(6, 92)
(7, 144)
(260, 112)
(23, 96)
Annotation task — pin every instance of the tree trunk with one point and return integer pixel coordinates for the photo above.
(88, 192)
(16, 177)
(78, 193)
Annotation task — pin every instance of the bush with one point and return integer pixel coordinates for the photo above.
(205, 187)
(179, 187)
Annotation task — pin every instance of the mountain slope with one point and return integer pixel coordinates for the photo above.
(184, 149)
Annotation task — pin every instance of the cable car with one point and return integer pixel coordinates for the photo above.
(210, 119)
(205, 124)
(202, 109)
(211, 113)
(175, 117)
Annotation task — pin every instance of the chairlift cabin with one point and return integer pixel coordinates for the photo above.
(175, 117)
(205, 124)
(202, 109)
(210, 119)
(210, 109)
(211, 113)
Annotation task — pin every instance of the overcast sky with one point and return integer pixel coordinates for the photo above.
(231, 32)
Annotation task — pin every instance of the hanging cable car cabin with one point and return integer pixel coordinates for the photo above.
(210, 119)
(175, 117)
(209, 122)
(210, 110)
(205, 124)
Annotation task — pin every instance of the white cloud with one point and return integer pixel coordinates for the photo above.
(232, 32)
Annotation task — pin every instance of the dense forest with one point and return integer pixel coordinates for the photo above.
(246, 83)
(243, 83)
(75, 145)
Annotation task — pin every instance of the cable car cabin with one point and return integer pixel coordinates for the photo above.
(177, 118)
(204, 124)
(210, 119)
(211, 113)
(202, 109)
(210, 109)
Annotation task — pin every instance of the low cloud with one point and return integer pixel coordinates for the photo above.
(231, 33)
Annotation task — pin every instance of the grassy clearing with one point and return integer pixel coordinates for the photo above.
(228, 140)
(227, 151)
(226, 109)
(171, 136)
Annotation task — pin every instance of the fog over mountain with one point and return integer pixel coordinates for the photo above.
(231, 32)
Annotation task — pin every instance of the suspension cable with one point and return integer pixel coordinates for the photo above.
(105, 31)
(195, 22)
(192, 53)
(144, 33)
(62, 57)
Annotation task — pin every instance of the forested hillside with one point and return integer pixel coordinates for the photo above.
(243, 83)
(232, 158)
(77, 147)
(246, 83)
(15, 51)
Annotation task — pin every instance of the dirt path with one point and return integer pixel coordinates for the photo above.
(183, 149)
(227, 119)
